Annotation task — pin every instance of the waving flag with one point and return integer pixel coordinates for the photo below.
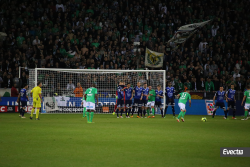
(153, 59)
(186, 31)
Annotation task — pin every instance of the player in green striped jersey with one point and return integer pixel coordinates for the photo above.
(90, 96)
(184, 96)
(151, 101)
(247, 104)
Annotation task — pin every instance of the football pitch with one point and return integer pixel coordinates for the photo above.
(66, 140)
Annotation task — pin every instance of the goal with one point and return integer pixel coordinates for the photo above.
(63, 89)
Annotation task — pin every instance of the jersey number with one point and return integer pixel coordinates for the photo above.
(90, 90)
(183, 95)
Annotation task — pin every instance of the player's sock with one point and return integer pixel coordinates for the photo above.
(180, 115)
(87, 116)
(133, 110)
(183, 114)
(117, 112)
(246, 112)
(234, 110)
(153, 111)
(121, 111)
(32, 111)
(144, 112)
(84, 112)
(214, 113)
(225, 112)
(166, 108)
(173, 111)
(91, 116)
(37, 113)
(148, 111)
(138, 112)
(23, 111)
(161, 112)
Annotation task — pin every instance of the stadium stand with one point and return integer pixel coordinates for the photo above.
(99, 34)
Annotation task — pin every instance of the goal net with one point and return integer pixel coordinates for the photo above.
(63, 89)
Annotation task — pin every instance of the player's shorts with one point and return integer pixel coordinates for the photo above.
(24, 103)
(220, 104)
(170, 102)
(128, 103)
(36, 103)
(247, 106)
(182, 106)
(231, 104)
(120, 103)
(84, 103)
(151, 104)
(137, 102)
(158, 104)
(90, 106)
(144, 102)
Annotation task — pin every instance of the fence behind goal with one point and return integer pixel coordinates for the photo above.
(63, 89)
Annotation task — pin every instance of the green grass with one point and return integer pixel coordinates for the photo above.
(68, 141)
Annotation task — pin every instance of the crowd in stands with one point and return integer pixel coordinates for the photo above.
(99, 34)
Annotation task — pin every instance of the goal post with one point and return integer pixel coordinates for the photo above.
(63, 89)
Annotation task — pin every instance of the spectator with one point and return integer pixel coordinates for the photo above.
(70, 86)
(36, 41)
(78, 90)
(14, 92)
(209, 85)
(8, 81)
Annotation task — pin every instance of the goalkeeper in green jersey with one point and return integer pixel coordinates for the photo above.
(84, 107)
(184, 96)
(90, 96)
(247, 104)
(151, 101)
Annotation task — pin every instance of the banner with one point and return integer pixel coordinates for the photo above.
(186, 31)
(153, 59)
(209, 107)
(181, 36)
(50, 104)
(191, 27)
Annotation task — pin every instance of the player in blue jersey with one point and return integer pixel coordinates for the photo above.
(219, 95)
(169, 98)
(138, 94)
(158, 97)
(230, 99)
(145, 91)
(120, 100)
(128, 99)
(23, 97)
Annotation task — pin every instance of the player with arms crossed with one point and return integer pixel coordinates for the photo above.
(184, 97)
(247, 104)
(170, 98)
(37, 100)
(90, 96)
(120, 100)
(151, 101)
(24, 98)
(159, 96)
(138, 98)
(128, 99)
(145, 91)
(220, 101)
(230, 99)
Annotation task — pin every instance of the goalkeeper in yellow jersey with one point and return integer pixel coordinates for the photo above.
(37, 100)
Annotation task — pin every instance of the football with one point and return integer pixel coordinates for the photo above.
(204, 119)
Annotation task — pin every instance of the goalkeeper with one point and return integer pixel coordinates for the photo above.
(151, 101)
